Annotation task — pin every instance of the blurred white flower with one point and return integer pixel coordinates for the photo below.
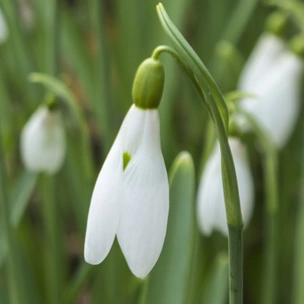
(131, 196)
(211, 214)
(43, 143)
(273, 74)
(3, 28)
(264, 55)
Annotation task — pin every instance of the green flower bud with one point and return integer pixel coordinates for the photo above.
(51, 102)
(296, 44)
(148, 84)
(276, 23)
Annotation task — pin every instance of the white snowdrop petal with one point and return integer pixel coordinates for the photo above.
(277, 108)
(145, 206)
(106, 200)
(211, 214)
(134, 129)
(43, 143)
(3, 28)
(265, 53)
(104, 212)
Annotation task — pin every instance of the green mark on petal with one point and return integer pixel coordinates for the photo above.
(126, 157)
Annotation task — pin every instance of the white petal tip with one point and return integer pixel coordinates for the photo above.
(140, 272)
(92, 257)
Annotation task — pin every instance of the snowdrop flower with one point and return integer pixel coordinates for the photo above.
(211, 214)
(264, 55)
(43, 142)
(273, 74)
(3, 28)
(131, 195)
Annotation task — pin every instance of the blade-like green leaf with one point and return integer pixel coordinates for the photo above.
(169, 280)
(20, 195)
(216, 287)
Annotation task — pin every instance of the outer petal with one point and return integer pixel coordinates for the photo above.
(3, 28)
(279, 104)
(144, 211)
(43, 142)
(211, 205)
(106, 200)
(265, 53)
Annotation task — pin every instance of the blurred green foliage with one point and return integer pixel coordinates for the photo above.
(94, 47)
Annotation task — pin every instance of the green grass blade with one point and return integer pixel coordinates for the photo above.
(20, 195)
(216, 286)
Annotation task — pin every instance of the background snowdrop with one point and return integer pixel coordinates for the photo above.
(85, 53)
(43, 143)
(273, 73)
(3, 28)
(211, 213)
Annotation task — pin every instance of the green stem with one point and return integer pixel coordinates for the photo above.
(217, 108)
(215, 103)
(271, 258)
(52, 240)
(235, 264)
(11, 259)
(298, 279)
(270, 163)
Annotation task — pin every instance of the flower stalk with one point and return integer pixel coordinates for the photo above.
(217, 108)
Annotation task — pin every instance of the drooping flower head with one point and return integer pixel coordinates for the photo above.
(211, 214)
(273, 73)
(131, 195)
(43, 143)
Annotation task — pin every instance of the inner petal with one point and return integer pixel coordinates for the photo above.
(126, 157)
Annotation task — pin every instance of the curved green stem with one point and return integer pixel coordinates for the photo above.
(217, 108)
(201, 79)
(270, 163)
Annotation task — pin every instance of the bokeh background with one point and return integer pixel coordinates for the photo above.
(94, 47)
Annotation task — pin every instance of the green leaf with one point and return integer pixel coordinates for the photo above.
(169, 280)
(216, 287)
(20, 195)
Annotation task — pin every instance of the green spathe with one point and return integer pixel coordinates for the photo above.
(148, 84)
